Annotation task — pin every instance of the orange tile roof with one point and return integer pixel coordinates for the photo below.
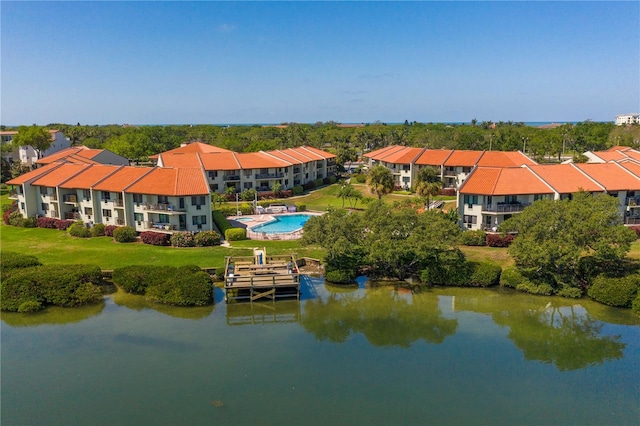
(121, 179)
(302, 157)
(504, 159)
(463, 158)
(33, 174)
(219, 161)
(379, 154)
(632, 166)
(632, 153)
(90, 176)
(433, 157)
(565, 178)
(406, 155)
(319, 152)
(308, 153)
(259, 160)
(60, 175)
(81, 151)
(503, 181)
(180, 159)
(171, 182)
(619, 148)
(611, 175)
(193, 147)
(286, 157)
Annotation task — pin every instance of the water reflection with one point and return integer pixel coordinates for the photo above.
(52, 315)
(551, 330)
(139, 303)
(385, 316)
(273, 312)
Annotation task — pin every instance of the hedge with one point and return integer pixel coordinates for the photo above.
(79, 230)
(183, 239)
(235, 234)
(108, 230)
(512, 277)
(46, 222)
(483, 274)
(340, 276)
(301, 207)
(97, 230)
(635, 306)
(124, 234)
(297, 190)
(10, 260)
(615, 291)
(15, 219)
(221, 221)
(636, 229)
(30, 289)
(207, 239)
(474, 238)
(154, 238)
(63, 224)
(497, 240)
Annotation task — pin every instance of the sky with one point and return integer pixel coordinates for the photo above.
(352, 62)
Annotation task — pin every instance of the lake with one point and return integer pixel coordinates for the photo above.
(371, 355)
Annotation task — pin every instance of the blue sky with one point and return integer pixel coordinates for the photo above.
(272, 62)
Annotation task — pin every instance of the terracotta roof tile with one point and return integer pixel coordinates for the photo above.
(611, 175)
(171, 182)
(632, 166)
(619, 148)
(504, 181)
(60, 175)
(565, 178)
(286, 157)
(259, 160)
(220, 161)
(180, 159)
(433, 157)
(33, 174)
(379, 154)
(90, 176)
(324, 154)
(122, 178)
(463, 158)
(81, 151)
(504, 159)
(406, 155)
(194, 147)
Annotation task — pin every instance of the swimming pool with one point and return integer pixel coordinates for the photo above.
(243, 219)
(282, 224)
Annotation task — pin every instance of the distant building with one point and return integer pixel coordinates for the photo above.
(26, 154)
(623, 119)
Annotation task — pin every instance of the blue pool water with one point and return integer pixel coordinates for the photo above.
(243, 219)
(283, 224)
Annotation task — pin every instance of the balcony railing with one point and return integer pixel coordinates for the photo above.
(52, 197)
(72, 215)
(632, 220)
(119, 221)
(13, 195)
(162, 207)
(504, 207)
(118, 203)
(231, 177)
(269, 175)
(296, 170)
(161, 226)
(633, 202)
(72, 199)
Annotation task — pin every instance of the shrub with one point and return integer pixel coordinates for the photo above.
(183, 239)
(207, 239)
(484, 274)
(570, 292)
(46, 222)
(318, 182)
(450, 269)
(635, 306)
(511, 277)
(97, 230)
(297, 190)
(474, 238)
(615, 291)
(79, 230)
(448, 192)
(221, 221)
(63, 224)
(497, 240)
(248, 194)
(10, 260)
(108, 230)
(185, 288)
(154, 238)
(340, 276)
(30, 222)
(301, 207)
(227, 210)
(6, 207)
(124, 234)
(6, 216)
(15, 219)
(360, 178)
(636, 229)
(62, 285)
(535, 288)
(135, 279)
(235, 234)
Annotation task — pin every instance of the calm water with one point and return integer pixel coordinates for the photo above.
(285, 223)
(340, 356)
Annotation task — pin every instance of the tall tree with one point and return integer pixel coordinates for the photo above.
(428, 183)
(35, 136)
(380, 181)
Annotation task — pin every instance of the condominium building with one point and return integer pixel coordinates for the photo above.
(27, 154)
(624, 119)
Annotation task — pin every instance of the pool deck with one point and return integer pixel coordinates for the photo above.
(249, 221)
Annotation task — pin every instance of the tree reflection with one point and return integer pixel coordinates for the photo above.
(384, 316)
(52, 315)
(139, 303)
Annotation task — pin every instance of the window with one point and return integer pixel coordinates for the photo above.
(45, 207)
(88, 211)
(137, 198)
(199, 220)
(163, 199)
(511, 199)
(43, 190)
(247, 173)
(181, 202)
(86, 194)
(469, 219)
(264, 171)
(138, 217)
(213, 174)
(106, 213)
(163, 218)
(22, 206)
(537, 197)
(613, 194)
(406, 167)
(248, 185)
(470, 199)
(106, 196)
(213, 187)
(198, 201)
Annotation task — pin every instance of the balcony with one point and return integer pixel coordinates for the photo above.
(72, 216)
(160, 226)
(633, 202)
(168, 208)
(119, 221)
(296, 170)
(231, 177)
(118, 203)
(269, 175)
(70, 199)
(13, 195)
(505, 207)
(52, 197)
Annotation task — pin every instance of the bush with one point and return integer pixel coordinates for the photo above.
(97, 230)
(221, 221)
(183, 289)
(301, 207)
(570, 292)
(636, 229)
(318, 182)
(635, 306)
(207, 239)
(235, 234)
(30, 222)
(6, 216)
(297, 190)
(15, 219)
(248, 194)
(10, 260)
(484, 274)
(511, 277)
(63, 224)
(227, 210)
(451, 268)
(79, 230)
(360, 178)
(108, 230)
(535, 288)
(497, 240)
(340, 276)
(615, 291)
(46, 222)
(124, 234)
(474, 238)
(183, 239)
(449, 192)
(29, 289)
(134, 279)
(7, 207)
(154, 238)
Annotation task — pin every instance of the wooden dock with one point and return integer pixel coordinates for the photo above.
(261, 276)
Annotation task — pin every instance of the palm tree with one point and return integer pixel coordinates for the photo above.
(380, 181)
(428, 183)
